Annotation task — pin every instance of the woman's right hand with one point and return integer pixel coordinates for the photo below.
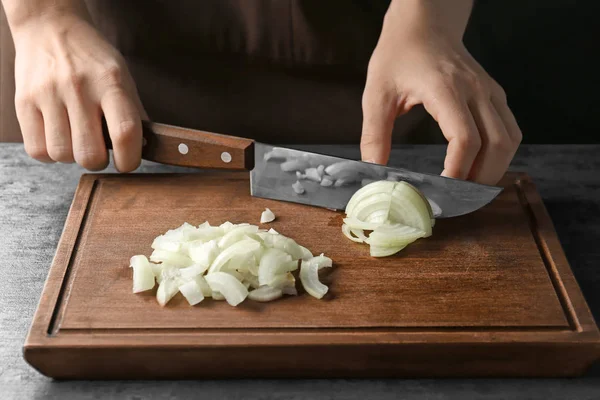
(67, 76)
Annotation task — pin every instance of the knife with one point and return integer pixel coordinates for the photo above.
(273, 170)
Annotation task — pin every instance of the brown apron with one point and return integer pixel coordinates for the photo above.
(282, 71)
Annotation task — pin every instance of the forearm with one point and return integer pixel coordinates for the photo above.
(413, 16)
(21, 12)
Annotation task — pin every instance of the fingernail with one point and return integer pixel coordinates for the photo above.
(370, 160)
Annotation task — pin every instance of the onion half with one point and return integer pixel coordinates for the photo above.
(396, 213)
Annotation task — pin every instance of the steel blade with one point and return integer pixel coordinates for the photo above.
(448, 197)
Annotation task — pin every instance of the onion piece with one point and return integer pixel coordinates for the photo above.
(309, 276)
(306, 254)
(321, 170)
(267, 216)
(281, 281)
(242, 247)
(177, 259)
(298, 188)
(164, 243)
(326, 181)
(273, 232)
(350, 171)
(204, 253)
(193, 271)
(285, 244)
(272, 263)
(313, 175)
(192, 292)
(233, 290)
(354, 223)
(217, 296)
(265, 294)
(143, 276)
(235, 234)
(167, 289)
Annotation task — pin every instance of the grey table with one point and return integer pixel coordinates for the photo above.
(35, 198)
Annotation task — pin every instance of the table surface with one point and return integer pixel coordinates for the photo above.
(35, 199)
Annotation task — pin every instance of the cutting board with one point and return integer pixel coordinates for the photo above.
(489, 294)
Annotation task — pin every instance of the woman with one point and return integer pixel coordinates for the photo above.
(272, 70)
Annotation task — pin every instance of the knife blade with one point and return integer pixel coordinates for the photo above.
(273, 170)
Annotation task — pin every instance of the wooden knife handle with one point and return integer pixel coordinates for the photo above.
(173, 145)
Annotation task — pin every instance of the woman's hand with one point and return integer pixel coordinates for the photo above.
(421, 61)
(67, 77)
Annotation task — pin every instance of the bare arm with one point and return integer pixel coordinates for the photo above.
(420, 59)
(67, 78)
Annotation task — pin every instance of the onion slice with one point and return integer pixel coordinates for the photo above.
(309, 275)
(396, 212)
(265, 294)
(267, 216)
(192, 292)
(231, 288)
(143, 276)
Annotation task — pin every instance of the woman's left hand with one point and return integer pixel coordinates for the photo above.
(426, 66)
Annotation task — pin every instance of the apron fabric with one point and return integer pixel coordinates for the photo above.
(279, 71)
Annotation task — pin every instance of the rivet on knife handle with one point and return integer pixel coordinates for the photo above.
(174, 145)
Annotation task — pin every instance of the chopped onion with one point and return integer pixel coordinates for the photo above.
(164, 243)
(167, 289)
(350, 171)
(241, 247)
(306, 254)
(217, 296)
(204, 253)
(321, 170)
(265, 294)
(283, 280)
(233, 290)
(143, 276)
(272, 263)
(267, 216)
(313, 174)
(309, 275)
(193, 271)
(177, 259)
(298, 188)
(223, 262)
(326, 181)
(235, 234)
(192, 292)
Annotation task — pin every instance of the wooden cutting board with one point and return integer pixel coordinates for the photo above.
(489, 294)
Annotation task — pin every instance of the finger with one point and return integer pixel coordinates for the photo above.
(379, 113)
(89, 149)
(510, 122)
(124, 127)
(58, 131)
(497, 149)
(456, 123)
(31, 123)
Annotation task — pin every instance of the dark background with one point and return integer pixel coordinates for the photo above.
(543, 52)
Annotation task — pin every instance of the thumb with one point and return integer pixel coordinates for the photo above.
(379, 113)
